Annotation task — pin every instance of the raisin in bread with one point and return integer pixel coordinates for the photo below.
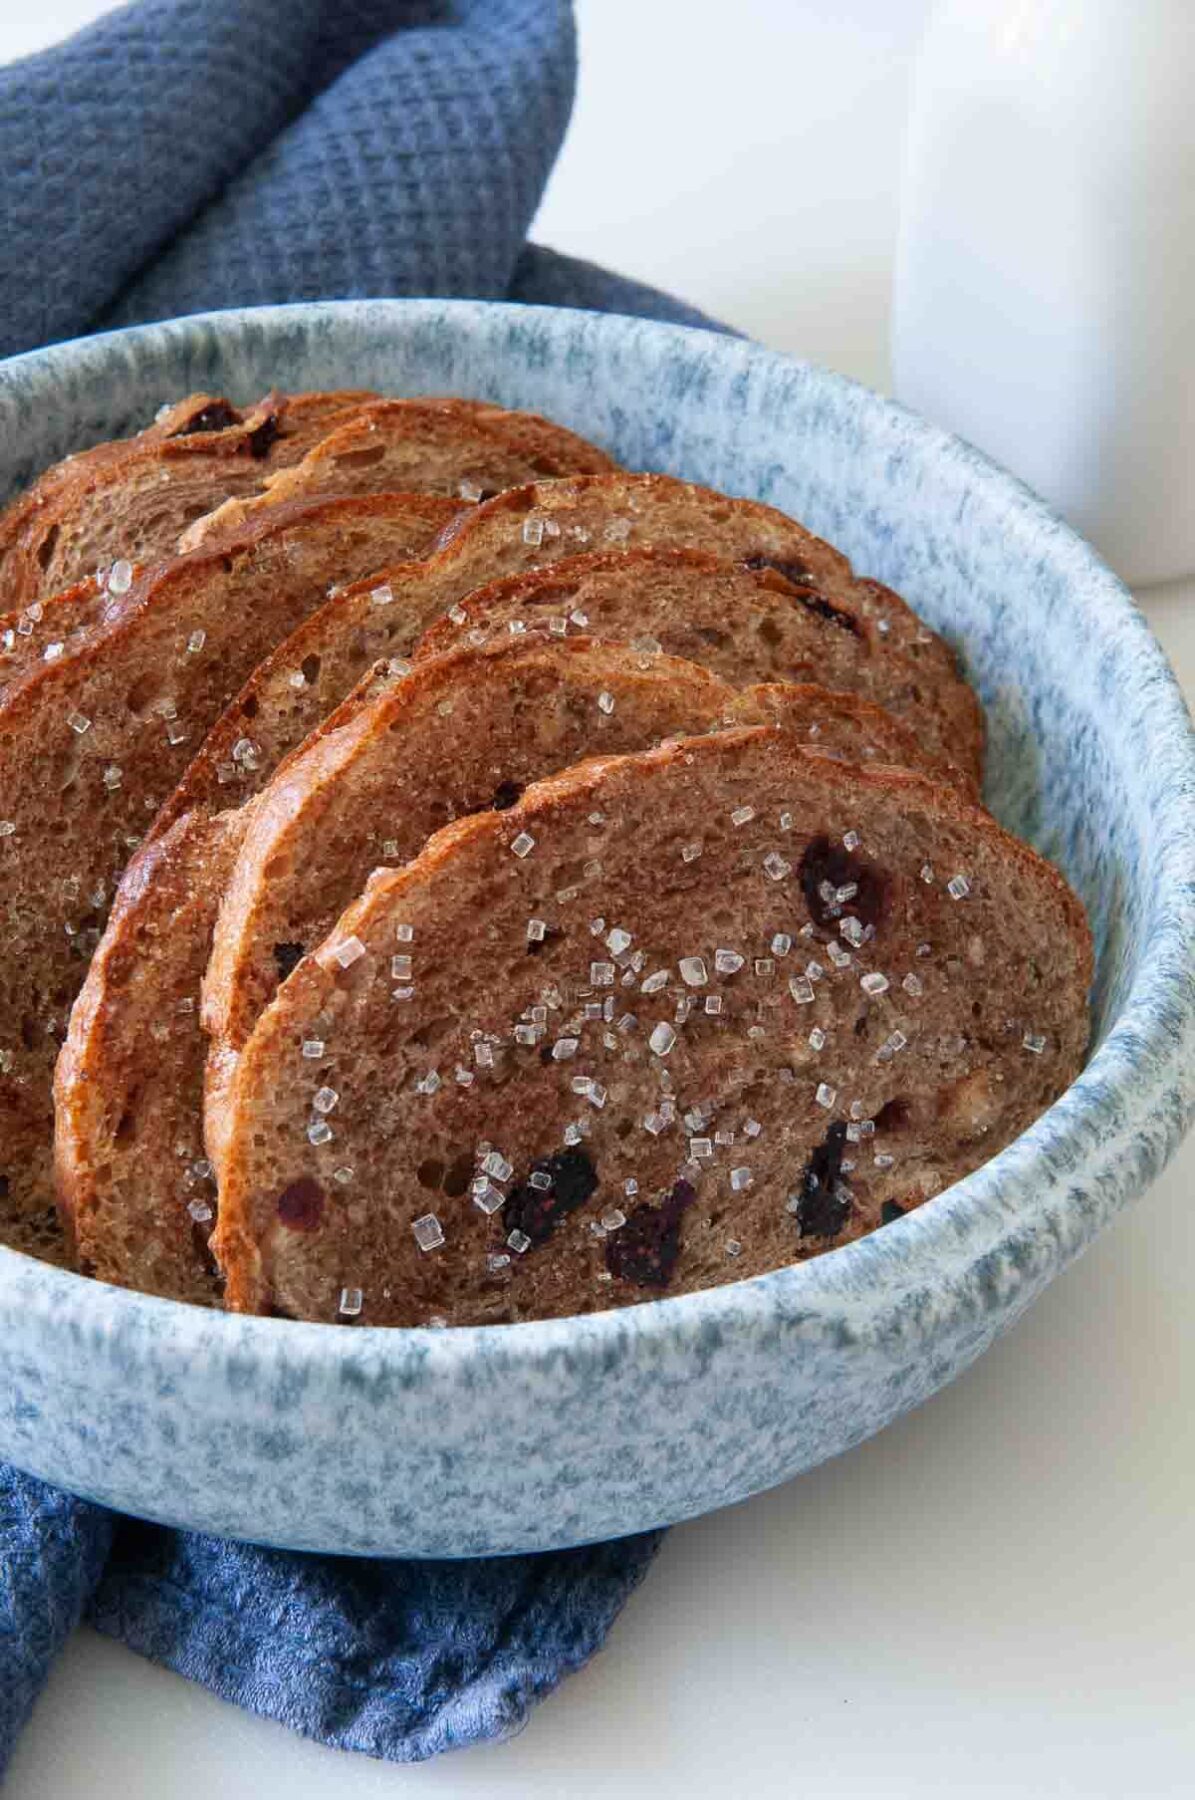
(91, 741)
(131, 1161)
(744, 624)
(309, 675)
(674, 1018)
(432, 445)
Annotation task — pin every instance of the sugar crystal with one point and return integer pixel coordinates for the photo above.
(427, 1232)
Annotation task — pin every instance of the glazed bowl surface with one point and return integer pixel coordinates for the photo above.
(450, 1443)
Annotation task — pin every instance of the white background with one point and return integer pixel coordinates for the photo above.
(997, 1596)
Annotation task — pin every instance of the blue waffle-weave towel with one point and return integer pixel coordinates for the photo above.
(182, 155)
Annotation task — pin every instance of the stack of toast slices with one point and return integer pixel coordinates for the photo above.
(450, 879)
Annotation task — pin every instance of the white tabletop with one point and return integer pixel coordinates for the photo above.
(996, 1597)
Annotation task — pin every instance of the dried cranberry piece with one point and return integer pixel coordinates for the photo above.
(646, 1248)
(263, 436)
(798, 573)
(538, 1211)
(535, 945)
(286, 958)
(890, 1211)
(801, 579)
(828, 862)
(216, 417)
(505, 794)
(301, 1205)
(823, 1203)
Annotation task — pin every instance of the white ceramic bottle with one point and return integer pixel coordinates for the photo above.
(1044, 303)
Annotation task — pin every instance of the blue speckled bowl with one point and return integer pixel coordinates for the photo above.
(530, 1436)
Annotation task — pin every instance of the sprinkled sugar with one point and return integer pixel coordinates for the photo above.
(728, 962)
(313, 1048)
(825, 1095)
(662, 1038)
(742, 815)
(605, 702)
(693, 971)
(487, 1196)
(1034, 1041)
(874, 983)
(958, 887)
(427, 1232)
(351, 1302)
(325, 1100)
(348, 951)
(319, 1132)
(775, 867)
(740, 1178)
(523, 845)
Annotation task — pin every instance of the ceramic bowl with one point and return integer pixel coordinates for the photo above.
(532, 1436)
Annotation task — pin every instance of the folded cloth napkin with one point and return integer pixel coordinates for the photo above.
(182, 155)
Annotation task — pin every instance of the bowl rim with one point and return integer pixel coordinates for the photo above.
(1148, 1050)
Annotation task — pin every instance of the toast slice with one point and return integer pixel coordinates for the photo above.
(777, 1002)
(745, 624)
(133, 1172)
(306, 677)
(91, 741)
(135, 1189)
(463, 449)
(127, 502)
(463, 733)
